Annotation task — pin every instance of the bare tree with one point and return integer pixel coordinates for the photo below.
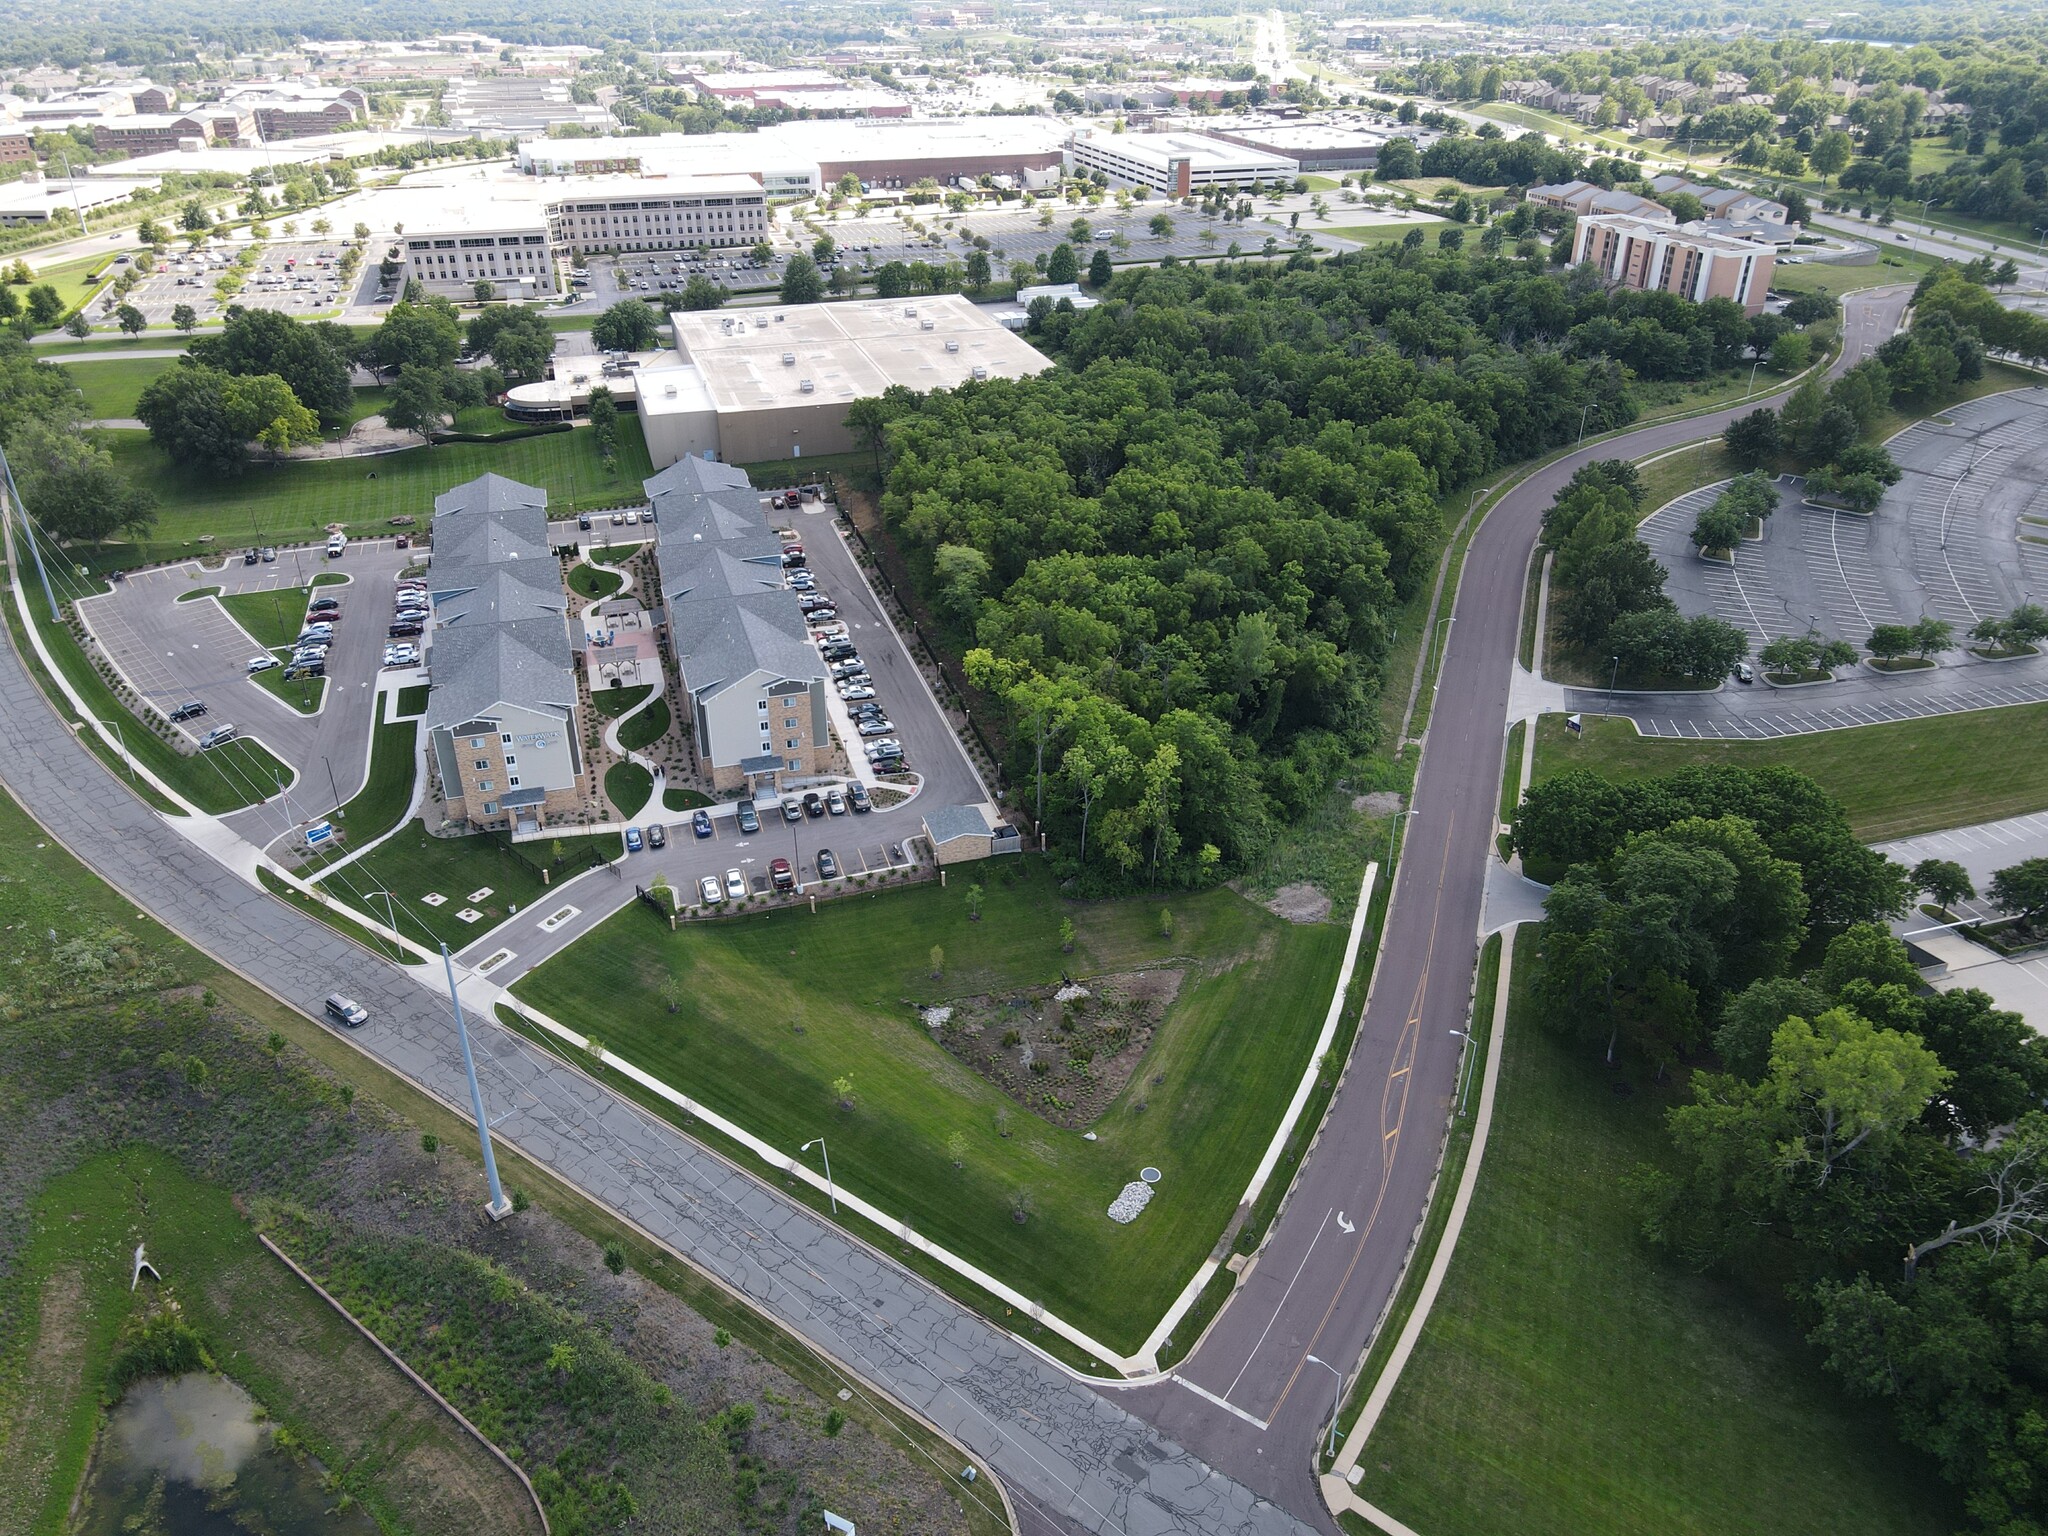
(2016, 1180)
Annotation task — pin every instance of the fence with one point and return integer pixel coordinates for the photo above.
(586, 857)
(660, 903)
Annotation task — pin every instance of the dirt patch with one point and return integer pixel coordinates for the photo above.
(1299, 903)
(1381, 802)
(1065, 1052)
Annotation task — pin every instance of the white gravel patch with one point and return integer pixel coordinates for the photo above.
(1071, 992)
(934, 1018)
(1133, 1199)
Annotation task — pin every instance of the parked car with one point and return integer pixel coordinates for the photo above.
(401, 655)
(1743, 674)
(749, 822)
(249, 557)
(633, 843)
(735, 884)
(835, 802)
(700, 823)
(346, 1011)
(299, 669)
(814, 804)
(888, 746)
(405, 541)
(618, 519)
(782, 875)
(844, 670)
(219, 736)
(657, 836)
(337, 546)
(269, 553)
(405, 629)
(858, 794)
(822, 615)
(191, 709)
(708, 889)
(792, 810)
(881, 725)
(583, 521)
(261, 663)
(828, 867)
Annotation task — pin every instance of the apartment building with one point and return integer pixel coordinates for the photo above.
(293, 111)
(1583, 197)
(752, 681)
(150, 133)
(501, 706)
(1730, 203)
(1687, 260)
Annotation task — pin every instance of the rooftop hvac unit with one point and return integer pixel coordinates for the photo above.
(670, 391)
(789, 359)
(807, 386)
(952, 346)
(980, 372)
(779, 319)
(910, 311)
(928, 325)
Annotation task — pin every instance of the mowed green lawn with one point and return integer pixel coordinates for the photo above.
(781, 1005)
(297, 500)
(1573, 1382)
(111, 387)
(1894, 780)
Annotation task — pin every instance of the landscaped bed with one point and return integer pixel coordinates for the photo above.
(777, 1013)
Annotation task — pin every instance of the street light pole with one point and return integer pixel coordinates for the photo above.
(1393, 827)
(1614, 677)
(1336, 1404)
(499, 1206)
(830, 1189)
(1582, 423)
(333, 788)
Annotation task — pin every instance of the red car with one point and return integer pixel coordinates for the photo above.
(782, 875)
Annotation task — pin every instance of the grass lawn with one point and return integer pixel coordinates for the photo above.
(782, 1004)
(1671, 476)
(413, 865)
(614, 702)
(1827, 277)
(1380, 234)
(274, 618)
(369, 401)
(297, 500)
(588, 581)
(645, 728)
(112, 387)
(1571, 1382)
(384, 1441)
(628, 786)
(1894, 780)
(684, 799)
(69, 277)
(301, 693)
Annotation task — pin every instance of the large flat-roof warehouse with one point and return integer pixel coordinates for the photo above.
(777, 383)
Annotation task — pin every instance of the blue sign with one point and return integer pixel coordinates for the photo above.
(319, 833)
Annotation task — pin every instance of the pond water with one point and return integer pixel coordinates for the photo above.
(188, 1456)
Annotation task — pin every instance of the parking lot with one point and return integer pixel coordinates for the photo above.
(298, 277)
(1960, 537)
(172, 651)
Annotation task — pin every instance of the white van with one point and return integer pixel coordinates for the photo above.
(337, 546)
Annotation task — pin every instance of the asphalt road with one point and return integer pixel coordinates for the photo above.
(1248, 1400)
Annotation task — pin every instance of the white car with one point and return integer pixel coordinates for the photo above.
(735, 885)
(632, 518)
(853, 693)
(401, 656)
(708, 889)
(879, 726)
(888, 746)
(261, 664)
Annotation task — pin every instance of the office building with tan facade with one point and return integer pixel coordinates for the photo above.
(1686, 260)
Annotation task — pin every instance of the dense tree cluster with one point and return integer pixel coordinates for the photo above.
(68, 481)
(1173, 561)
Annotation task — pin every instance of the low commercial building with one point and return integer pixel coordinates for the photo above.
(1175, 163)
(1687, 260)
(501, 706)
(776, 383)
(793, 159)
(459, 241)
(38, 199)
(660, 214)
(288, 110)
(958, 834)
(752, 680)
(151, 133)
(1314, 144)
(511, 104)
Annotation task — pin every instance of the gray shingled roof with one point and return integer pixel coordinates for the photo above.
(490, 493)
(502, 592)
(946, 822)
(477, 667)
(490, 519)
(729, 614)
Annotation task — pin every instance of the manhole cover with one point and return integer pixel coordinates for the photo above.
(1149, 1175)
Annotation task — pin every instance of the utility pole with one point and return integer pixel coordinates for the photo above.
(500, 1207)
(28, 532)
